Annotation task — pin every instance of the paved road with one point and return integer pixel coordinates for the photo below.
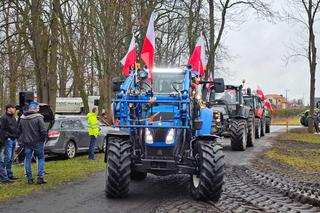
(159, 194)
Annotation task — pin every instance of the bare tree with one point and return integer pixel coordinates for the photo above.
(305, 13)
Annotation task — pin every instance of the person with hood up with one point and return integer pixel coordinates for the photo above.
(93, 131)
(33, 135)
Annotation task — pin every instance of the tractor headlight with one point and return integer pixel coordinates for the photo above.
(149, 138)
(216, 116)
(170, 137)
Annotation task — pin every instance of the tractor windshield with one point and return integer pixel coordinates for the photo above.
(229, 96)
(167, 82)
(248, 101)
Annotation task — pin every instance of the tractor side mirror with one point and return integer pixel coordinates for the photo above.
(249, 92)
(116, 84)
(218, 85)
(318, 104)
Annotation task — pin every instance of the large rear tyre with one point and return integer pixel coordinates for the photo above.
(208, 183)
(268, 124)
(238, 134)
(118, 168)
(251, 130)
(263, 127)
(258, 128)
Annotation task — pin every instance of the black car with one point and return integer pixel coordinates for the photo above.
(69, 136)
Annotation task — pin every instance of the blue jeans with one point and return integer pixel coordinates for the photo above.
(3, 173)
(38, 151)
(92, 146)
(9, 147)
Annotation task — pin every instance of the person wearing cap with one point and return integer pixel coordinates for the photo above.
(33, 135)
(10, 132)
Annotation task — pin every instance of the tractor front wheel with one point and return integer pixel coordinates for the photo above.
(118, 168)
(238, 130)
(207, 184)
(251, 129)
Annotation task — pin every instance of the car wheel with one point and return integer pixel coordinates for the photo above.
(71, 150)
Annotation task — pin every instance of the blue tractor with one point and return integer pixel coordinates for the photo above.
(163, 130)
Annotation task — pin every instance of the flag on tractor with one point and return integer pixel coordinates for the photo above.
(149, 46)
(260, 93)
(198, 57)
(130, 58)
(268, 105)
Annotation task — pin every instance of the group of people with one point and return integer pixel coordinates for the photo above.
(31, 133)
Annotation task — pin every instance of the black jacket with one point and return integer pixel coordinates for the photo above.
(32, 129)
(9, 127)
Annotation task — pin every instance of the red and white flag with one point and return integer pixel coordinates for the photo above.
(198, 57)
(149, 46)
(269, 106)
(260, 93)
(130, 58)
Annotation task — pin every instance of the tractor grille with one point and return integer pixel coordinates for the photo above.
(159, 134)
(166, 152)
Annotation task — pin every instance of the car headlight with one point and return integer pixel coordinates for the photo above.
(170, 137)
(149, 138)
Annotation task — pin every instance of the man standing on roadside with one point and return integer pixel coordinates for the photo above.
(3, 174)
(33, 135)
(93, 131)
(9, 127)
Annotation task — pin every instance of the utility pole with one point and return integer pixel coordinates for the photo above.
(287, 106)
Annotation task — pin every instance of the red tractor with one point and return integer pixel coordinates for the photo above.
(255, 102)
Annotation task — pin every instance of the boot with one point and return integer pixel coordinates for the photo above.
(41, 180)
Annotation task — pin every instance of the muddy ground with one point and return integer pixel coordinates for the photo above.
(249, 187)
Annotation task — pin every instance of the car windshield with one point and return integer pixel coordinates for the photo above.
(167, 83)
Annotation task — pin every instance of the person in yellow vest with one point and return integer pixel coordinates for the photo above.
(93, 130)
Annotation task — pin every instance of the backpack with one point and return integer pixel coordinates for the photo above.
(2, 139)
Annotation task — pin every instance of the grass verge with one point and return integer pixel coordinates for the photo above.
(297, 149)
(59, 172)
(292, 121)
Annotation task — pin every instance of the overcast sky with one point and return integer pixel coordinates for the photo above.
(259, 48)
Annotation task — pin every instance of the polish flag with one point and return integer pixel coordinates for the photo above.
(198, 57)
(130, 58)
(268, 105)
(149, 46)
(260, 93)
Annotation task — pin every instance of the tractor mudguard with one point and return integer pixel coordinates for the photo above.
(206, 115)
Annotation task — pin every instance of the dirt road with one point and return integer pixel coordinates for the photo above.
(246, 190)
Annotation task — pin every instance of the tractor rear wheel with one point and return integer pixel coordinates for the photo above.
(268, 124)
(258, 128)
(263, 127)
(118, 167)
(207, 184)
(251, 129)
(238, 133)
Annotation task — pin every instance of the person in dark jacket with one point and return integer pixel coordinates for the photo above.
(3, 174)
(316, 119)
(10, 132)
(33, 135)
